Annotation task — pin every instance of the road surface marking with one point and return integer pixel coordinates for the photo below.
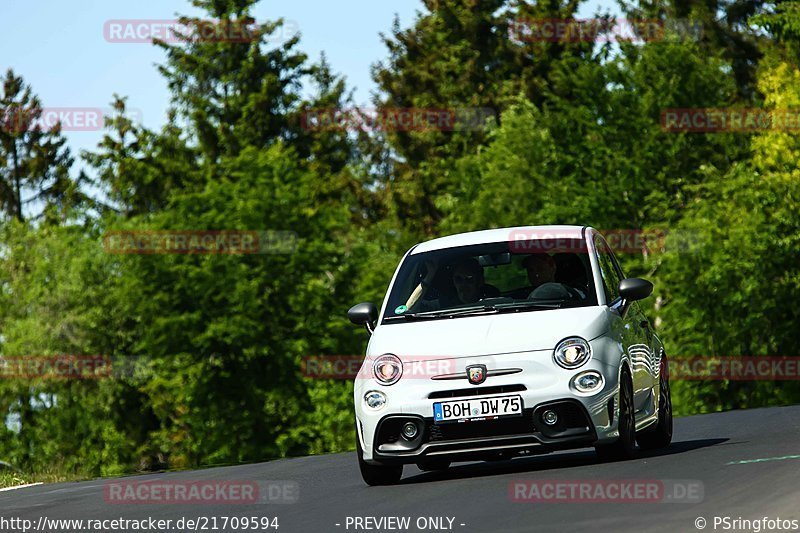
(764, 460)
(20, 486)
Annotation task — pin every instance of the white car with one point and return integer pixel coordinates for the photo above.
(508, 342)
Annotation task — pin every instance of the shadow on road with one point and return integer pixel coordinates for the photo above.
(541, 463)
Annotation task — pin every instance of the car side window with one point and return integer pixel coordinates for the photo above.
(608, 269)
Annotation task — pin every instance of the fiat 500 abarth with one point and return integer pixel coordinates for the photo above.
(508, 342)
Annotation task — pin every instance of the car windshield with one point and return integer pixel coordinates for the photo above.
(492, 278)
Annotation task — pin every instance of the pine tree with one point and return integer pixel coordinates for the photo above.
(234, 80)
(470, 57)
(34, 162)
(720, 26)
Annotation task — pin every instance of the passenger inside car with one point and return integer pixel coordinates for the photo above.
(571, 271)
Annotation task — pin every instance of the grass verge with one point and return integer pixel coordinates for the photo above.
(11, 478)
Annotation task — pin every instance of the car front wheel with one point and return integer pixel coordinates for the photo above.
(377, 474)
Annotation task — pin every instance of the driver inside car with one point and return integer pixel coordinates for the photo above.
(468, 286)
(469, 282)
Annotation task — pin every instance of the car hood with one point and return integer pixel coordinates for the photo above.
(488, 334)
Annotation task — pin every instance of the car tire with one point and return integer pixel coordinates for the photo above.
(433, 465)
(660, 435)
(374, 475)
(625, 446)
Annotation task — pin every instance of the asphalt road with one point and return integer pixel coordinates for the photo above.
(709, 470)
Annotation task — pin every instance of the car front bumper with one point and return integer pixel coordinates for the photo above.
(583, 419)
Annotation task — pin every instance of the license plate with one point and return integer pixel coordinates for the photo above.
(477, 409)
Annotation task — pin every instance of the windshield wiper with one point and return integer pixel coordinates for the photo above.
(542, 304)
(407, 316)
(463, 311)
(482, 309)
(447, 312)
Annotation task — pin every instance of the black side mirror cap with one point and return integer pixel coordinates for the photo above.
(364, 314)
(635, 289)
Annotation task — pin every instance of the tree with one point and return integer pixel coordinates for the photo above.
(237, 84)
(602, 145)
(225, 333)
(56, 302)
(236, 91)
(475, 59)
(34, 162)
(719, 26)
(137, 169)
(744, 264)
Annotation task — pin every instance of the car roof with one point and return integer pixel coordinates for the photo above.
(499, 235)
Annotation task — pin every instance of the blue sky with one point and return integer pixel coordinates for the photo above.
(59, 48)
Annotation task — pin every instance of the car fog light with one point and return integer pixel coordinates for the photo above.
(550, 418)
(588, 381)
(409, 430)
(375, 399)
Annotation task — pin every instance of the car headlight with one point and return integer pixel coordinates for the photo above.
(572, 352)
(387, 369)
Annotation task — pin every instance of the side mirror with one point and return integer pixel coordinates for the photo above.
(635, 289)
(364, 314)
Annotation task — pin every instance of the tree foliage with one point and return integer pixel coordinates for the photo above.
(207, 349)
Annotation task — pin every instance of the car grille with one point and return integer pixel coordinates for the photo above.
(476, 391)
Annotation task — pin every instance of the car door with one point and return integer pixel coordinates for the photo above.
(628, 326)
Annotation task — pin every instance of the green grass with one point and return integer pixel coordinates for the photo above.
(10, 478)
